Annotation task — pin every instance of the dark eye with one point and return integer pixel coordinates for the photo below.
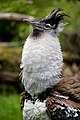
(47, 26)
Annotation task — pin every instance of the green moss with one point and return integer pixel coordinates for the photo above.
(10, 58)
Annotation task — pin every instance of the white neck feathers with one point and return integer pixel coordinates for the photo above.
(42, 62)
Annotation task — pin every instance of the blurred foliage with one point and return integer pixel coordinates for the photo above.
(10, 58)
(10, 107)
(10, 62)
(71, 42)
(38, 8)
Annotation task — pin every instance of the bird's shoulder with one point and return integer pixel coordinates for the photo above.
(64, 99)
(69, 86)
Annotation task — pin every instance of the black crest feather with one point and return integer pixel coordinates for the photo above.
(54, 18)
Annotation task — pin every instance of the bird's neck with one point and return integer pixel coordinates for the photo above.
(42, 62)
(36, 33)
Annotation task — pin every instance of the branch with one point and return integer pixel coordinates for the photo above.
(15, 16)
(9, 76)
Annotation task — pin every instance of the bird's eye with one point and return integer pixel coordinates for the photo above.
(47, 26)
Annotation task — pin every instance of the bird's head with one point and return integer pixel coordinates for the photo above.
(54, 22)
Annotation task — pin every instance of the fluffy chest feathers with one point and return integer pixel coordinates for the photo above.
(35, 111)
(41, 63)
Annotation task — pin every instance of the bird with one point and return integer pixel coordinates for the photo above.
(41, 64)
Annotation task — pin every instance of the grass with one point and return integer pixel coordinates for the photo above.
(10, 107)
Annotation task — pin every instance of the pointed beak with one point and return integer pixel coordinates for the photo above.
(35, 22)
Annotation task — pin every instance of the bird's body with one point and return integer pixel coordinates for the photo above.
(42, 62)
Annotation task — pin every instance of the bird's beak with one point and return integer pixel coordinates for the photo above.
(28, 21)
(33, 23)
